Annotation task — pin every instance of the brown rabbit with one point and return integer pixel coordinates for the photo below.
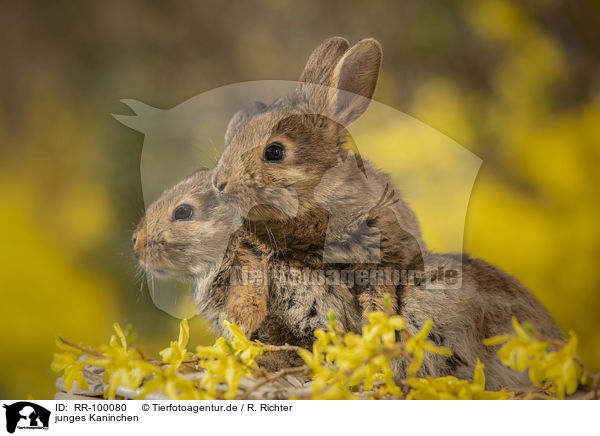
(277, 169)
(266, 181)
(354, 239)
(190, 235)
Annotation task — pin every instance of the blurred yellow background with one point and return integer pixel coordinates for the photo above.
(517, 84)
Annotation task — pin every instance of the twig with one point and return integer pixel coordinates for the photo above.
(183, 362)
(83, 350)
(271, 378)
(92, 352)
(140, 352)
(595, 378)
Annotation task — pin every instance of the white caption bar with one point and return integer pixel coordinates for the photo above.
(299, 417)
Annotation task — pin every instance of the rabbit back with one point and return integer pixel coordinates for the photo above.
(482, 307)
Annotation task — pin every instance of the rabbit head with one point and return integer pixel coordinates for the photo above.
(276, 155)
(186, 231)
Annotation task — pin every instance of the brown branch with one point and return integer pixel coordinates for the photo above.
(183, 362)
(83, 350)
(269, 378)
(595, 378)
(142, 355)
(95, 353)
(253, 370)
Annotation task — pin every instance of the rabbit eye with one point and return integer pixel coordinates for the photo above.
(183, 212)
(274, 152)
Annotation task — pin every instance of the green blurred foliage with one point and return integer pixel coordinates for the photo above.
(514, 82)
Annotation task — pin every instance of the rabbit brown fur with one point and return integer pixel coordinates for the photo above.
(303, 124)
(209, 249)
(191, 250)
(203, 249)
(283, 200)
(481, 308)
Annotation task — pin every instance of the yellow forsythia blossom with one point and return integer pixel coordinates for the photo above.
(342, 365)
(69, 361)
(123, 366)
(227, 361)
(418, 344)
(340, 362)
(451, 388)
(546, 362)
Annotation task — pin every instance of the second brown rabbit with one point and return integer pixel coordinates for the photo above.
(287, 168)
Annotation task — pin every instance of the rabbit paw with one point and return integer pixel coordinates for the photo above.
(247, 307)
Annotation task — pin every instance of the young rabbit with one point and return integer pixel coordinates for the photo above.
(190, 235)
(286, 153)
(346, 230)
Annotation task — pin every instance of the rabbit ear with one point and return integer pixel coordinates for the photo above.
(356, 73)
(241, 117)
(323, 60)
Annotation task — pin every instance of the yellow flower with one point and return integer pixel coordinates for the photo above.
(417, 344)
(122, 365)
(544, 362)
(176, 353)
(70, 361)
(451, 388)
(227, 361)
(173, 386)
(341, 362)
